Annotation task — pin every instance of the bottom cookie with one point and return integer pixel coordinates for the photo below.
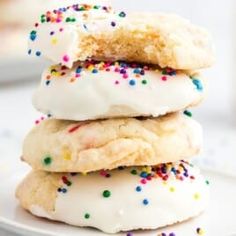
(123, 199)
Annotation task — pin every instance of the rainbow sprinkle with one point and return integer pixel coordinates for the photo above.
(131, 73)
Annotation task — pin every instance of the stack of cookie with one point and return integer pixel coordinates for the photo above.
(113, 154)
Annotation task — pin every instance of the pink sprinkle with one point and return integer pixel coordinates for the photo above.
(164, 78)
(42, 118)
(117, 82)
(103, 173)
(125, 76)
(117, 69)
(143, 181)
(66, 58)
(77, 75)
(61, 29)
(149, 177)
(37, 122)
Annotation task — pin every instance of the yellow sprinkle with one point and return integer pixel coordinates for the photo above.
(144, 169)
(55, 73)
(196, 196)
(91, 67)
(200, 231)
(66, 154)
(54, 41)
(172, 189)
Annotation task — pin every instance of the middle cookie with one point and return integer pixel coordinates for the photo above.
(96, 90)
(69, 146)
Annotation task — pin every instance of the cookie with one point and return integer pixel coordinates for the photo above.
(82, 31)
(119, 200)
(69, 146)
(94, 90)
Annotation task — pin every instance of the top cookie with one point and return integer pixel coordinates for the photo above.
(81, 32)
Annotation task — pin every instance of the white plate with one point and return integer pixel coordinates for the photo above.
(218, 220)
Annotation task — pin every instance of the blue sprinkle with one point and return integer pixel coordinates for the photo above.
(173, 170)
(64, 190)
(38, 53)
(198, 84)
(132, 82)
(48, 82)
(85, 27)
(78, 70)
(136, 71)
(185, 174)
(52, 33)
(145, 202)
(143, 174)
(29, 51)
(138, 189)
(33, 36)
(94, 71)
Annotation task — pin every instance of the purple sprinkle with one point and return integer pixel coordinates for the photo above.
(113, 24)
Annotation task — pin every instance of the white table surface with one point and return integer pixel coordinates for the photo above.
(17, 117)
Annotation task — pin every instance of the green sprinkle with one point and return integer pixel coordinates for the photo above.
(68, 19)
(47, 161)
(96, 7)
(122, 14)
(133, 172)
(207, 182)
(33, 32)
(188, 113)
(144, 81)
(106, 193)
(86, 216)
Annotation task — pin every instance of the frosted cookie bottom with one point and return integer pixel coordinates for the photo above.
(119, 200)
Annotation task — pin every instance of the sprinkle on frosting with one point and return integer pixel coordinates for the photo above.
(106, 193)
(200, 231)
(138, 188)
(145, 201)
(47, 161)
(39, 120)
(131, 73)
(197, 83)
(196, 196)
(144, 175)
(86, 215)
(188, 113)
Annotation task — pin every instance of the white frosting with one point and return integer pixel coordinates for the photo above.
(64, 41)
(169, 201)
(107, 94)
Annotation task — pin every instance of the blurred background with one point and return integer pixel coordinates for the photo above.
(20, 74)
